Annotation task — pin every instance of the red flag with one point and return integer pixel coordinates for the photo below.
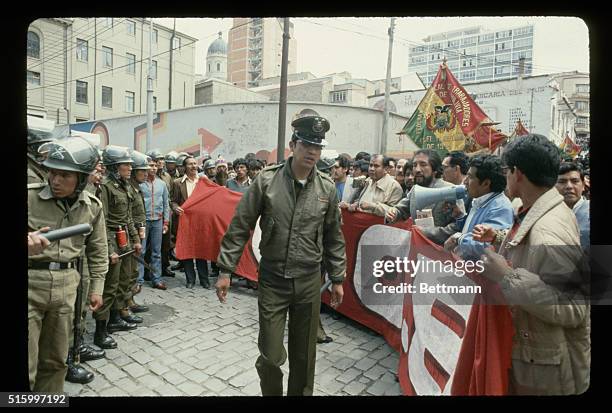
(208, 213)
(569, 147)
(450, 349)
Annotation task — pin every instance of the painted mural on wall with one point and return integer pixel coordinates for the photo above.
(233, 130)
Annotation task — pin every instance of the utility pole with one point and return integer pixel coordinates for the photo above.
(95, 65)
(383, 137)
(531, 112)
(171, 59)
(282, 105)
(150, 90)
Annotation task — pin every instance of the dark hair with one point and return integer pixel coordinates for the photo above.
(407, 166)
(249, 156)
(362, 156)
(185, 160)
(343, 162)
(566, 167)
(388, 159)
(363, 165)
(254, 164)
(434, 160)
(536, 157)
(461, 159)
(489, 167)
(240, 161)
(384, 159)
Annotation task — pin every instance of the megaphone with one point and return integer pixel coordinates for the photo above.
(423, 197)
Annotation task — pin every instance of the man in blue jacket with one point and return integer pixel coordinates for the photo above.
(485, 184)
(157, 207)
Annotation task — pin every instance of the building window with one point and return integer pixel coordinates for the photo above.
(129, 101)
(81, 120)
(131, 27)
(82, 50)
(107, 56)
(131, 63)
(552, 118)
(582, 106)
(33, 45)
(33, 78)
(176, 44)
(486, 37)
(209, 68)
(154, 103)
(154, 69)
(81, 92)
(218, 67)
(338, 97)
(155, 36)
(581, 120)
(582, 88)
(107, 21)
(523, 42)
(107, 97)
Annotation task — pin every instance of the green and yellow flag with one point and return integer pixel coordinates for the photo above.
(447, 119)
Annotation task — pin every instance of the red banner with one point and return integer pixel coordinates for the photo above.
(208, 213)
(450, 348)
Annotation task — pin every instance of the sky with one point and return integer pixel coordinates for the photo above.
(360, 45)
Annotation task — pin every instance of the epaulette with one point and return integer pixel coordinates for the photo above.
(94, 198)
(325, 176)
(36, 185)
(273, 167)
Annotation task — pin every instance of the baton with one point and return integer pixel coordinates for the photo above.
(78, 308)
(143, 262)
(67, 232)
(327, 284)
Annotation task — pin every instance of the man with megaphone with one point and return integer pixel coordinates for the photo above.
(427, 171)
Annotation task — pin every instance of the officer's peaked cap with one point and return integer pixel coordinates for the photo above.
(311, 129)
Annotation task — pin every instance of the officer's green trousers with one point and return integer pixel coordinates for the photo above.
(128, 276)
(301, 299)
(51, 298)
(111, 286)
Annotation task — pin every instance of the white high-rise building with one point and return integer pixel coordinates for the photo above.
(474, 54)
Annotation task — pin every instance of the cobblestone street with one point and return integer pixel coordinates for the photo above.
(192, 345)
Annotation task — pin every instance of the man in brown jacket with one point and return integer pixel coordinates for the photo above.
(539, 270)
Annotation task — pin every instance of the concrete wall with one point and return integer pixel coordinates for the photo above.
(233, 130)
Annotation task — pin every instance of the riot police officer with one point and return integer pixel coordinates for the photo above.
(128, 282)
(52, 276)
(122, 235)
(40, 131)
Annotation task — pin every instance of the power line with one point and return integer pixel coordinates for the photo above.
(137, 61)
(72, 47)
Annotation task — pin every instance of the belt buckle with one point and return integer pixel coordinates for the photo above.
(54, 266)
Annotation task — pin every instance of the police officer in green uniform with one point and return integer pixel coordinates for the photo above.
(300, 224)
(117, 199)
(129, 271)
(52, 275)
(40, 131)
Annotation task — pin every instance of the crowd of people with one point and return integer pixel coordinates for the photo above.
(523, 199)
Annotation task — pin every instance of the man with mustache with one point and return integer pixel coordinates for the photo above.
(427, 171)
(570, 184)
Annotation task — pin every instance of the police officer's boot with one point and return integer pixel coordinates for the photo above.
(127, 316)
(88, 353)
(116, 323)
(101, 337)
(136, 308)
(77, 373)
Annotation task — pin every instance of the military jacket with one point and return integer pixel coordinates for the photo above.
(168, 179)
(117, 199)
(44, 210)
(36, 173)
(300, 226)
(138, 208)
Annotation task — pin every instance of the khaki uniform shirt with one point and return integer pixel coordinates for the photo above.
(138, 208)
(117, 199)
(44, 210)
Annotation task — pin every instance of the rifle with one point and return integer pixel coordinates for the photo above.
(140, 260)
(326, 285)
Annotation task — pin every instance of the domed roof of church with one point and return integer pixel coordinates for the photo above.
(219, 46)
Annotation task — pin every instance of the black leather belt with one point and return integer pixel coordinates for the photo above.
(51, 265)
